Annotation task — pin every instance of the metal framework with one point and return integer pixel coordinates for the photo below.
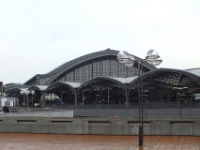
(101, 63)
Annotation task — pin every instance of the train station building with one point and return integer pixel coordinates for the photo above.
(99, 78)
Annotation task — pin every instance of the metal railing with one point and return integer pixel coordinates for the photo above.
(150, 110)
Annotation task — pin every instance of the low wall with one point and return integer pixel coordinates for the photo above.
(39, 112)
(105, 126)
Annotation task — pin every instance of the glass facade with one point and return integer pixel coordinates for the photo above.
(99, 68)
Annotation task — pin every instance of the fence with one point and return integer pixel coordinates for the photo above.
(150, 110)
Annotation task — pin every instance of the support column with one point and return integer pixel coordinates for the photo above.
(43, 101)
(83, 97)
(127, 95)
(108, 97)
(75, 97)
(27, 100)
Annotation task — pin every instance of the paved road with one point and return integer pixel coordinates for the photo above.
(22, 141)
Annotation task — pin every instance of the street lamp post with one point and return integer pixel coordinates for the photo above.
(178, 94)
(25, 94)
(129, 60)
(32, 93)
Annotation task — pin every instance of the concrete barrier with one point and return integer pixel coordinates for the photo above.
(68, 113)
(40, 112)
(104, 126)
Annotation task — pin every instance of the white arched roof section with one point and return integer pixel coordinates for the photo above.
(38, 87)
(74, 85)
(127, 80)
(23, 89)
(70, 85)
(116, 80)
(17, 89)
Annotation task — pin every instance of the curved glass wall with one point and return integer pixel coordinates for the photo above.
(99, 68)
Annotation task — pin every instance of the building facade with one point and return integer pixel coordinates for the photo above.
(98, 78)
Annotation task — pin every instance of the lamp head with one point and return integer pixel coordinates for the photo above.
(153, 57)
(152, 54)
(122, 58)
(156, 62)
(120, 55)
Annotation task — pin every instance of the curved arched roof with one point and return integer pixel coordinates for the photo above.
(173, 77)
(117, 80)
(106, 82)
(68, 85)
(194, 71)
(10, 86)
(52, 75)
(38, 87)
(170, 78)
(97, 81)
(165, 74)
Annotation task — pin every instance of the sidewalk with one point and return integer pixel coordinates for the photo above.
(22, 141)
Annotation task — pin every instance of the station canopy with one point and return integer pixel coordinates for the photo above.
(172, 78)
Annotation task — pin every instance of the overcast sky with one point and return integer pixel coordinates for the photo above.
(36, 36)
